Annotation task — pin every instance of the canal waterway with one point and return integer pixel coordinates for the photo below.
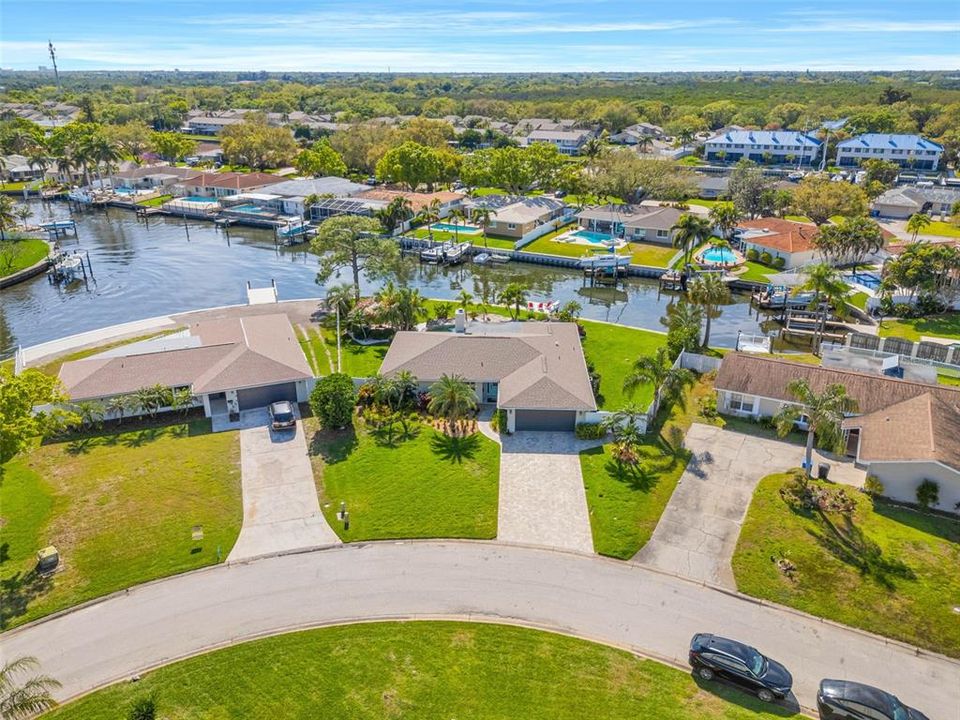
(165, 265)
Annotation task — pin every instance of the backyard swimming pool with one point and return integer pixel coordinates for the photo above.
(451, 228)
(720, 255)
(199, 199)
(594, 238)
(867, 280)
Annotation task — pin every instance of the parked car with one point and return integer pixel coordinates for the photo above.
(282, 416)
(712, 656)
(845, 700)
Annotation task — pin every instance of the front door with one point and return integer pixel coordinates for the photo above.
(490, 392)
(853, 442)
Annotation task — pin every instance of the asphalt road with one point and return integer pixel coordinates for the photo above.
(618, 603)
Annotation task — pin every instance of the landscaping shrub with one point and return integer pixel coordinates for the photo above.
(753, 255)
(872, 486)
(708, 406)
(928, 304)
(333, 399)
(143, 709)
(443, 311)
(928, 494)
(779, 263)
(766, 258)
(590, 431)
(499, 421)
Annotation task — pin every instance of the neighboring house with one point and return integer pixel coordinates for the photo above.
(47, 115)
(775, 146)
(536, 372)
(211, 184)
(568, 142)
(293, 193)
(792, 241)
(229, 364)
(902, 202)
(151, 177)
(712, 187)
(212, 123)
(910, 151)
(637, 223)
(637, 133)
(528, 125)
(514, 217)
(368, 201)
(902, 431)
(17, 168)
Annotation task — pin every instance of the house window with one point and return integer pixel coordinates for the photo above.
(511, 226)
(663, 233)
(740, 403)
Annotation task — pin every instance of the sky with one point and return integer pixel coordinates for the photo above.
(488, 36)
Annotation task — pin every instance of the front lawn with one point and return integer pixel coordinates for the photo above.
(120, 507)
(888, 570)
(17, 254)
(945, 326)
(612, 349)
(421, 670)
(938, 227)
(428, 485)
(704, 203)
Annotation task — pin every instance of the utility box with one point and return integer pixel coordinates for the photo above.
(48, 559)
(823, 470)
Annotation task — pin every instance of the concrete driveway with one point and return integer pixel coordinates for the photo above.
(698, 531)
(542, 500)
(280, 506)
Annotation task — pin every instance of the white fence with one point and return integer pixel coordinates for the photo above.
(541, 230)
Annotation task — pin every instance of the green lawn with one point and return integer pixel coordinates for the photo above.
(119, 506)
(612, 350)
(22, 254)
(421, 670)
(946, 326)
(946, 229)
(652, 254)
(429, 485)
(704, 203)
(17, 186)
(757, 272)
(53, 367)
(859, 300)
(890, 571)
(492, 241)
(156, 201)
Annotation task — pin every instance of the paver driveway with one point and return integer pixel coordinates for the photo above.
(698, 531)
(542, 500)
(280, 506)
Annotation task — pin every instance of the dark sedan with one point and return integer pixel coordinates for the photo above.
(845, 700)
(713, 657)
(282, 416)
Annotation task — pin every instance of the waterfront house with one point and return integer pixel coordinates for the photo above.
(212, 184)
(227, 364)
(293, 193)
(150, 177)
(792, 241)
(17, 168)
(515, 217)
(908, 151)
(902, 431)
(535, 372)
(638, 223)
(763, 146)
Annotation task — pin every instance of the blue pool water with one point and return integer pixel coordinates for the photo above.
(124, 191)
(199, 199)
(721, 255)
(592, 237)
(249, 209)
(450, 227)
(868, 280)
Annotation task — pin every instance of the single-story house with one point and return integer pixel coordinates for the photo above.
(150, 177)
(635, 134)
(17, 168)
(47, 114)
(568, 142)
(638, 223)
(902, 202)
(212, 184)
(712, 187)
(903, 431)
(228, 364)
(369, 200)
(295, 192)
(792, 241)
(536, 372)
(514, 217)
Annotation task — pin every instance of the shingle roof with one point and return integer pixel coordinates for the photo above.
(527, 210)
(778, 234)
(234, 353)
(888, 141)
(924, 427)
(419, 201)
(768, 377)
(642, 216)
(539, 366)
(341, 187)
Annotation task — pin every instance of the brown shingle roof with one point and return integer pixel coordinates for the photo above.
(539, 366)
(768, 377)
(784, 235)
(921, 428)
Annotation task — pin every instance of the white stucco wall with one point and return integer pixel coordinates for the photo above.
(900, 481)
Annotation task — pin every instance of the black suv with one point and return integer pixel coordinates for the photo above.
(845, 700)
(282, 416)
(712, 657)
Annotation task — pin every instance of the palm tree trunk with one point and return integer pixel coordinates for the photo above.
(808, 453)
(706, 332)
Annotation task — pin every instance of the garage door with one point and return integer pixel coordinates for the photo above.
(546, 419)
(262, 396)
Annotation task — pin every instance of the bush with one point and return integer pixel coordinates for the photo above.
(708, 406)
(443, 311)
(779, 263)
(333, 399)
(766, 258)
(928, 304)
(753, 255)
(872, 486)
(590, 431)
(499, 422)
(928, 494)
(143, 709)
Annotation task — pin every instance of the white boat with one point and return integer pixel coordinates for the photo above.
(482, 259)
(495, 258)
(602, 262)
(448, 252)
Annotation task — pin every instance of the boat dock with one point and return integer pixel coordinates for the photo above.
(262, 296)
(448, 253)
(60, 228)
(813, 324)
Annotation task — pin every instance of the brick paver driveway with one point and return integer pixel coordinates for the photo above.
(542, 500)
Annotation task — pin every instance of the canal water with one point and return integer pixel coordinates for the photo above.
(143, 269)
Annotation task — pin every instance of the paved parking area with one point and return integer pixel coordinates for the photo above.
(542, 500)
(280, 506)
(698, 531)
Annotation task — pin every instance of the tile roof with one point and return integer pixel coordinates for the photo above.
(237, 181)
(537, 365)
(152, 170)
(778, 234)
(419, 201)
(924, 427)
(888, 141)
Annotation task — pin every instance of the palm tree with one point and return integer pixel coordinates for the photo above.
(657, 370)
(118, 405)
(644, 143)
(824, 412)
(464, 298)
(182, 400)
(917, 223)
(90, 413)
(482, 215)
(457, 216)
(23, 213)
(452, 398)
(688, 232)
(7, 217)
(725, 216)
(682, 320)
(593, 148)
(429, 215)
(514, 294)
(827, 287)
(29, 698)
(401, 389)
(340, 297)
(709, 292)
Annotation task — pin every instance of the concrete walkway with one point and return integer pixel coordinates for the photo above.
(280, 506)
(542, 500)
(604, 600)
